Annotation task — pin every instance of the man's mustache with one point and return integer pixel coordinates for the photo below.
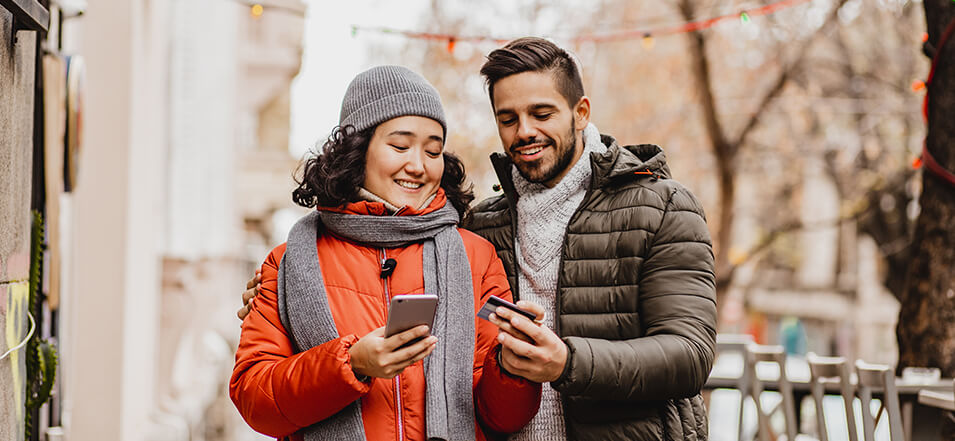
(526, 142)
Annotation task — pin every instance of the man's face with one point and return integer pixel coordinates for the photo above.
(538, 128)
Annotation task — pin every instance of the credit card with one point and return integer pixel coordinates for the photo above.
(494, 302)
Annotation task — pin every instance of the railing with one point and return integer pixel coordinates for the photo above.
(28, 14)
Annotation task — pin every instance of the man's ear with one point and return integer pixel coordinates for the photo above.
(582, 112)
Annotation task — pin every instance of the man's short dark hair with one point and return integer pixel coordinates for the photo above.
(532, 54)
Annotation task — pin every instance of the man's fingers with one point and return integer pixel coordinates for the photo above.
(252, 282)
(534, 331)
(521, 325)
(517, 346)
(532, 307)
(247, 296)
(514, 363)
(505, 326)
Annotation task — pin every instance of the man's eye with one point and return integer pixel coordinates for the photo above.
(507, 121)
(543, 116)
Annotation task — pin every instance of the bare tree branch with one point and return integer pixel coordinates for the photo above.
(783, 78)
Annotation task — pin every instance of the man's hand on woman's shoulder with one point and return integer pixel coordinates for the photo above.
(251, 290)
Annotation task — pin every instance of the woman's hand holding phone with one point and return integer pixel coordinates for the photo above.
(374, 355)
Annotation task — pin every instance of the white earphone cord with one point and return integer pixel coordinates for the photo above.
(25, 340)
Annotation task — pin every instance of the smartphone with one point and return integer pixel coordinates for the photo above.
(409, 310)
(493, 302)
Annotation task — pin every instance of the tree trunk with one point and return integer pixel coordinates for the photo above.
(925, 331)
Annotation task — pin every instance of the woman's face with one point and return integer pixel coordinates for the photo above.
(404, 164)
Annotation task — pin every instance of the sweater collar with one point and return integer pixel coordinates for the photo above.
(578, 175)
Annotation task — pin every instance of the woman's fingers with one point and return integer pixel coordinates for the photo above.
(400, 339)
(429, 348)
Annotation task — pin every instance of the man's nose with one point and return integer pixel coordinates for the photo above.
(526, 129)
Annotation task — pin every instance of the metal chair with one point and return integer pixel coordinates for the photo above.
(823, 370)
(737, 343)
(880, 377)
(756, 354)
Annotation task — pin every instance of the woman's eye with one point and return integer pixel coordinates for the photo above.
(400, 148)
(434, 154)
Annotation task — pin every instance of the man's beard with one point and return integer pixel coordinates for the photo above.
(565, 154)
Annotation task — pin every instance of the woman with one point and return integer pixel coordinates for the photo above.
(313, 362)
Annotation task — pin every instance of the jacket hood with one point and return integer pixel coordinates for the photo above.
(371, 208)
(627, 160)
(617, 161)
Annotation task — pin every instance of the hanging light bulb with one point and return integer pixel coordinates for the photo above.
(257, 10)
(744, 17)
(648, 41)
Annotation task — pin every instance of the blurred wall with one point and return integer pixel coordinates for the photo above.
(179, 97)
(109, 363)
(17, 68)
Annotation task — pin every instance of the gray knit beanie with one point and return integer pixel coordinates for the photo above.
(385, 92)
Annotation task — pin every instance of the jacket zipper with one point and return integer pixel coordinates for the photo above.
(397, 380)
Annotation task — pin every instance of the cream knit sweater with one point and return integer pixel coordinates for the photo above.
(542, 217)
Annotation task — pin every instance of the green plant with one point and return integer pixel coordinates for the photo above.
(41, 356)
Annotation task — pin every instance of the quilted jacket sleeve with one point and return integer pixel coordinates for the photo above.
(276, 390)
(678, 312)
(503, 403)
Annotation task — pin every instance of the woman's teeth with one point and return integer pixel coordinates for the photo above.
(410, 185)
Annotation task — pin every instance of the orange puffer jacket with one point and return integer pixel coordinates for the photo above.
(279, 392)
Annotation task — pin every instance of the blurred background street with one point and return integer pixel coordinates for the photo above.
(148, 151)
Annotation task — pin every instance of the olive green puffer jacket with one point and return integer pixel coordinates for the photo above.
(635, 297)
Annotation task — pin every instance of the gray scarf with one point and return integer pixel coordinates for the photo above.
(304, 311)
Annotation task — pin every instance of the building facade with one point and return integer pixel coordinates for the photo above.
(171, 119)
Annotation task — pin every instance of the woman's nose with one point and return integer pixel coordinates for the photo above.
(415, 165)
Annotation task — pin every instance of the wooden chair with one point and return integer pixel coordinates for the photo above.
(738, 343)
(879, 377)
(756, 354)
(824, 370)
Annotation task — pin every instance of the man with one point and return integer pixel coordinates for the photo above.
(612, 255)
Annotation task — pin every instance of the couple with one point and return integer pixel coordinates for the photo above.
(612, 256)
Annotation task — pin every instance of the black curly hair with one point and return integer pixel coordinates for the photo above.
(332, 177)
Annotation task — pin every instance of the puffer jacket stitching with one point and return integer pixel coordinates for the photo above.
(495, 218)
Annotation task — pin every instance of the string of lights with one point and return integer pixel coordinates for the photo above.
(927, 159)
(743, 15)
